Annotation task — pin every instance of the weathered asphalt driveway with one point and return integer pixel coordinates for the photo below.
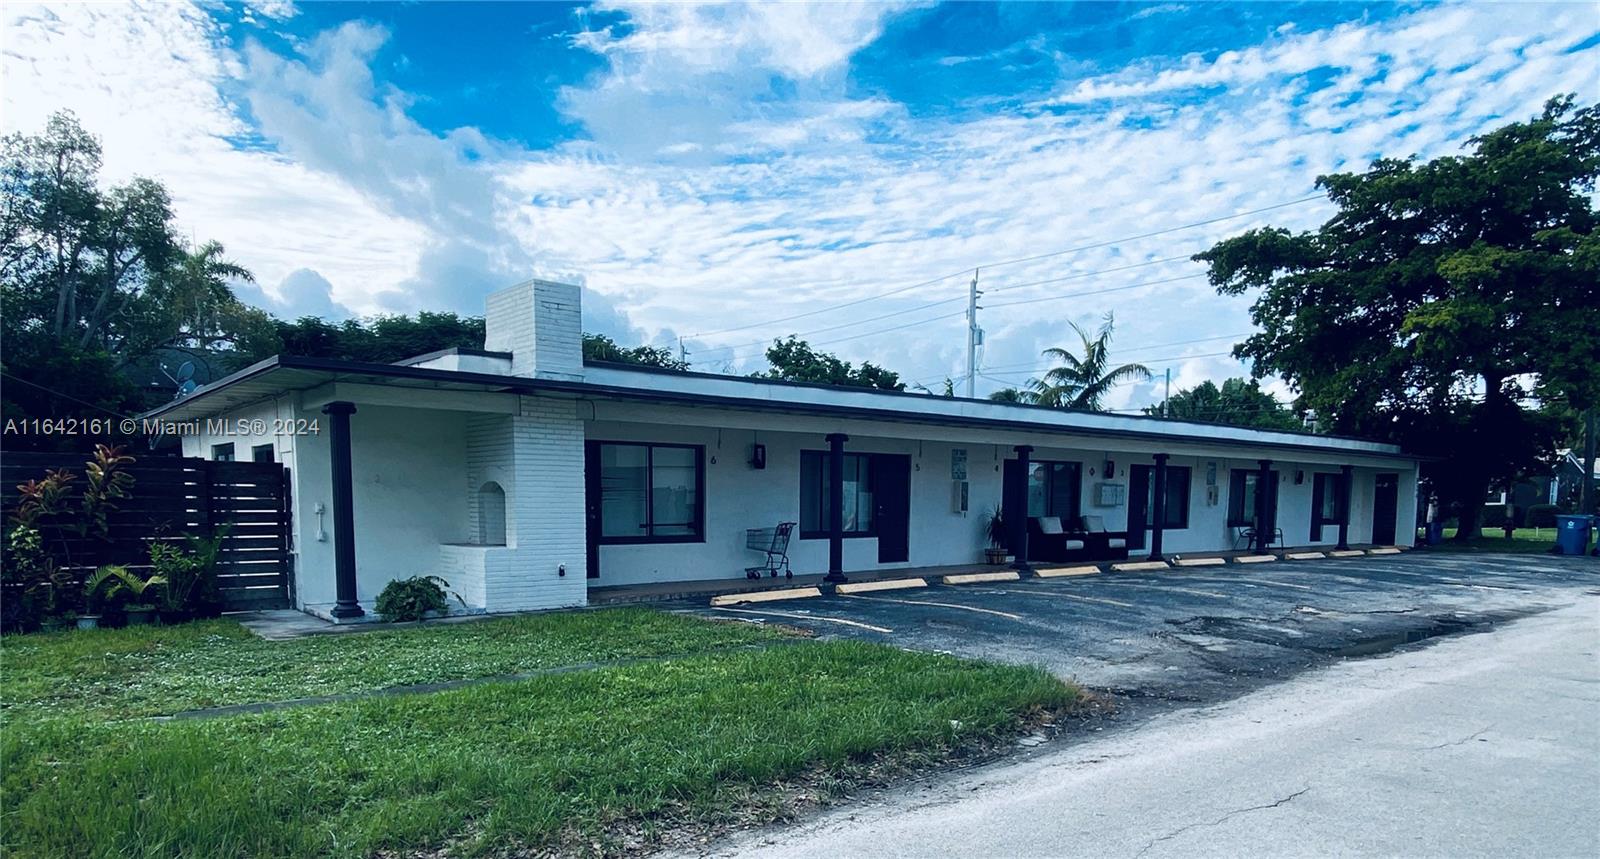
(1416, 705)
(1191, 636)
(1478, 745)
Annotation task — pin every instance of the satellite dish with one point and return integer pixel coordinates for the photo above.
(185, 389)
(185, 372)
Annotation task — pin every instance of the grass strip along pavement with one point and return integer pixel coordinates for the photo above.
(606, 761)
(152, 670)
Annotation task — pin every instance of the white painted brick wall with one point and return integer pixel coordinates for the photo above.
(488, 459)
(541, 324)
(546, 512)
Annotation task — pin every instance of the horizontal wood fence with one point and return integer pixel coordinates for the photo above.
(173, 496)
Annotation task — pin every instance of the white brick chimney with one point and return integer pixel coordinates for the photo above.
(541, 324)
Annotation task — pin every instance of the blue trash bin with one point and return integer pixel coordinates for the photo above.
(1572, 534)
(1435, 533)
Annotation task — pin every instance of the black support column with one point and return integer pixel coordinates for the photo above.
(1264, 485)
(1017, 516)
(344, 521)
(1158, 506)
(836, 508)
(1346, 478)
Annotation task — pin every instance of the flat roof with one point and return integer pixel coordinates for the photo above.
(284, 373)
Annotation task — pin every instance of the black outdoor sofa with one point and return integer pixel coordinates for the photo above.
(1087, 540)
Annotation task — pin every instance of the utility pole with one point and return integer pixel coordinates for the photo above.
(683, 354)
(1586, 493)
(974, 336)
(1167, 397)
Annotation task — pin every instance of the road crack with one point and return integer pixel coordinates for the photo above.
(1461, 742)
(1224, 819)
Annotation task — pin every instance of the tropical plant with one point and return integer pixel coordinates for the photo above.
(1011, 395)
(413, 598)
(36, 588)
(189, 572)
(994, 528)
(1082, 381)
(107, 482)
(112, 581)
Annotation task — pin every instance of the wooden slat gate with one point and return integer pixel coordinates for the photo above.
(173, 496)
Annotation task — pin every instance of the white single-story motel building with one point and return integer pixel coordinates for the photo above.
(526, 477)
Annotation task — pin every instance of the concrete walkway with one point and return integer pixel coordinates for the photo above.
(1482, 744)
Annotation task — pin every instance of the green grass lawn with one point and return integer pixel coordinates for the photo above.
(595, 761)
(145, 671)
(1523, 540)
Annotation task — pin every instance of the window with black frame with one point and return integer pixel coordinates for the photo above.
(1327, 503)
(1242, 498)
(815, 504)
(1176, 512)
(651, 493)
(1055, 489)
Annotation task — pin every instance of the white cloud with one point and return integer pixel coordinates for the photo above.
(850, 195)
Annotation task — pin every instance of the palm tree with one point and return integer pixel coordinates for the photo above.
(1082, 381)
(1011, 395)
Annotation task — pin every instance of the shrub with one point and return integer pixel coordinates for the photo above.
(190, 574)
(1542, 516)
(413, 598)
(1494, 516)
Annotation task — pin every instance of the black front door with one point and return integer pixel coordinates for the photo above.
(1138, 499)
(591, 506)
(1385, 505)
(891, 501)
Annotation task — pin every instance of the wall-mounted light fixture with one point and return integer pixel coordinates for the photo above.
(758, 456)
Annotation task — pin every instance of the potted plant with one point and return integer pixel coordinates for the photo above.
(112, 580)
(995, 529)
(88, 621)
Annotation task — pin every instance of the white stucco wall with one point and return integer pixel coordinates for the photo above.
(739, 497)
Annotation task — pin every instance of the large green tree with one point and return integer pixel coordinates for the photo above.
(96, 281)
(1441, 299)
(1083, 380)
(794, 360)
(1238, 402)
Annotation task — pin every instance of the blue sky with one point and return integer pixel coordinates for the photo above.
(728, 173)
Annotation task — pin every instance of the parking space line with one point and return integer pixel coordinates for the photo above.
(939, 604)
(1068, 596)
(1280, 584)
(1212, 594)
(799, 616)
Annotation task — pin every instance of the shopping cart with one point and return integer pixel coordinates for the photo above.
(775, 543)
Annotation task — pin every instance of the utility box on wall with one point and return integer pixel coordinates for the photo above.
(1110, 494)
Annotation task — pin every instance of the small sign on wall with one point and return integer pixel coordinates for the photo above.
(958, 463)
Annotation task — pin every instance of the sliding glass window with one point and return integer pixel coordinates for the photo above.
(651, 493)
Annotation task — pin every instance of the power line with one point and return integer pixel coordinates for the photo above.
(1110, 242)
(1036, 366)
(1058, 297)
(832, 307)
(1150, 360)
(1093, 291)
(1081, 275)
(64, 396)
(1019, 260)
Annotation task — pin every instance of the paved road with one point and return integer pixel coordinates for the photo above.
(1480, 744)
(1196, 636)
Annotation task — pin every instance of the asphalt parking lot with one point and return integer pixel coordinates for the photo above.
(1190, 636)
